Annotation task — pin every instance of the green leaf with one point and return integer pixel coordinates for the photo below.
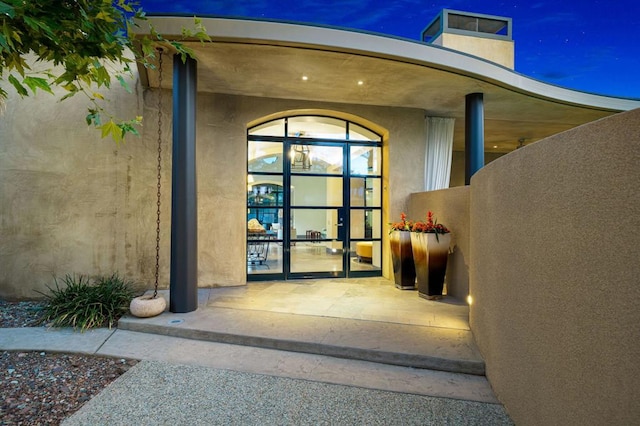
(128, 128)
(105, 17)
(203, 36)
(201, 31)
(16, 62)
(70, 87)
(183, 50)
(93, 117)
(3, 43)
(37, 83)
(16, 37)
(140, 14)
(79, 42)
(5, 9)
(100, 74)
(7, 36)
(39, 25)
(68, 95)
(124, 84)
(125, 6)
(110, 128)
(19, 87)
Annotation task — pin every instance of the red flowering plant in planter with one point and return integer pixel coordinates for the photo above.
(431, 226)
(403, 225)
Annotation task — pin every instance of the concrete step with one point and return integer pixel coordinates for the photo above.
(416, 346)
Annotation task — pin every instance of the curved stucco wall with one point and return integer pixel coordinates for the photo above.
(555, 275)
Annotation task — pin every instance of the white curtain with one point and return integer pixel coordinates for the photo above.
(437, 160)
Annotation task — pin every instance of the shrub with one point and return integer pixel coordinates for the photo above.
(80, 303)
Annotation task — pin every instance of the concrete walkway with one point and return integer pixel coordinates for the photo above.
(241, 365)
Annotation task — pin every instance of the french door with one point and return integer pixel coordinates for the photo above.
(313, 204)
(316, 209)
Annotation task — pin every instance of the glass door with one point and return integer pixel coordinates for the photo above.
(314, 199)
(316, 210)
(365, 210)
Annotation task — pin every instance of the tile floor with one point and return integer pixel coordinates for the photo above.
(305, 257)
(372, 299)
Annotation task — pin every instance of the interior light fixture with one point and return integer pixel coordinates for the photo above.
(360, 82)
(495, 146)
(305, 78)
(469, 299)
(300, 157)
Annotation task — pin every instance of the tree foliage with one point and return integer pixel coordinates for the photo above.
(83, 46)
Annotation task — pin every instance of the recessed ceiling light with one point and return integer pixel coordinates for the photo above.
(305, 78)
(360, 82)
(495, 146)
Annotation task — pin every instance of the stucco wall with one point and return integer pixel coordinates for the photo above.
(73, 203)
(458, 166)
(222, 153)
(555, 237)
(451, 208)
(498, 51)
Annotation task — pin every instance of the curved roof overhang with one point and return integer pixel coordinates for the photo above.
(268, 59)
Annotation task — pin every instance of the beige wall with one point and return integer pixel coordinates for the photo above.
(499, 51)
(555, 237)
(451, 208)
(458, 166)
(222, 152)
(72, 203)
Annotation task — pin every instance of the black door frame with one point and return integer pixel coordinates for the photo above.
(344, 211)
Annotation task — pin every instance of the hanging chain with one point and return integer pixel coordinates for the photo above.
(155, 289)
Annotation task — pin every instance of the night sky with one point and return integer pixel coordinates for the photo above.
(590, 45)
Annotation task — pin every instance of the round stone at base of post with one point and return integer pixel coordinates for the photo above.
(147, 306)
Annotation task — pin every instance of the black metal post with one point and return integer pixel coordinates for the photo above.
(474, 135)
(184, 213)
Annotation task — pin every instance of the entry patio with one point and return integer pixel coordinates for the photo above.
(366, 319)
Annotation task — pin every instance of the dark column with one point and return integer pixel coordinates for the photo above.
(474, 135)
(184, 214)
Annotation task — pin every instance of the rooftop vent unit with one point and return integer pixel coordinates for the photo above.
(486, 36)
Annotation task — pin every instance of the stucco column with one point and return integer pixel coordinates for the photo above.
(473, 135)
(184, 215)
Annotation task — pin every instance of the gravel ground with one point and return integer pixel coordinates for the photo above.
(20, 314)
(41, 388)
